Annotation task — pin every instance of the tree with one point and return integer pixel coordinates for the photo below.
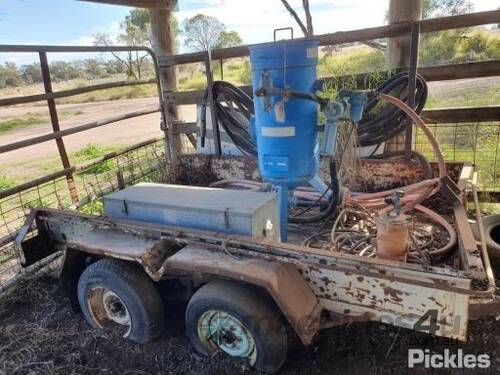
(442, 8)
(9, 75)
(228, 39)
(94, 69)
(31, 73)
(134, 31)
(442, 47)
(205, 33)
(64, 71)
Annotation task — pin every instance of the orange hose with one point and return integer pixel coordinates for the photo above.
(420, 190)
(422, 125)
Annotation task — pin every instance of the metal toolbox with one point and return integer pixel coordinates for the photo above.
(247, 213)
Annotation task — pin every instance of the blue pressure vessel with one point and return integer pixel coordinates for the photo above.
(286, 131)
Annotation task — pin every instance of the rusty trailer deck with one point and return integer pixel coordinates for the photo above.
(314, 288)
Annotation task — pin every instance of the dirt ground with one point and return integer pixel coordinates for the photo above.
(124, 132)
(40, 334)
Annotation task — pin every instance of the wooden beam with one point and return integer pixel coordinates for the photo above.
(399, 50)
(463, 20)
(430, 73)
(402, 11)
(59, 134)
(71, 92)
(151, 4)
(460, 71)
(342, 37)
(462, 115)
(295, 16)
(163, 35)
(307, 11)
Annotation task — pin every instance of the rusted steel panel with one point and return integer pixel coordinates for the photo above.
(470, 255)
(392, 302)
(282, 280)
(370, 176)
(349, 286)
(200, 170)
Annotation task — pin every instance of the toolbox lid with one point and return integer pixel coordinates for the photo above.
(193, 197)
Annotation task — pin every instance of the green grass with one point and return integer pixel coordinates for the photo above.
(92, 152)
(27, 170)
(21, 122)
(352, 62)
(95, 207)
(197, 81)
(458, 144)
(465, 97)
(6, 182)
(31, 119)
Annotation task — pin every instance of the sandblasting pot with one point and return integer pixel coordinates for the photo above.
(287, 147)
(392, 237)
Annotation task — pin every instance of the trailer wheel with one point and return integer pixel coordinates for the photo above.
(228, 317)
(120, 294)
(491, 225)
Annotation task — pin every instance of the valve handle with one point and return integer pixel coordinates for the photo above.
(283, 29)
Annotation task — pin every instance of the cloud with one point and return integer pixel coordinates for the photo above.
(19, 59)
(255, 20)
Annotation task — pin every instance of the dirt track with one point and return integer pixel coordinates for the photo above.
(121, 133)
(40, 334)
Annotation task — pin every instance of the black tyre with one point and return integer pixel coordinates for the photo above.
(113, 292)
(238, 321)
(492, 232)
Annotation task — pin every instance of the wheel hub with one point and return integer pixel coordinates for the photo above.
(115, 308)
(223, 331)
(105, 306)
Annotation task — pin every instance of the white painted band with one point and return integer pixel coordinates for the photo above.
(279, 131)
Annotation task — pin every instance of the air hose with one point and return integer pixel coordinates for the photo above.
(332, 205)
(233, 108)
(382, 122)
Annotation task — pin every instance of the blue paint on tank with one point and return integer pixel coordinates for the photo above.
(286, 139)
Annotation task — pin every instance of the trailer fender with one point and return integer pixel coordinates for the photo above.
(73, 265)
(282, 281)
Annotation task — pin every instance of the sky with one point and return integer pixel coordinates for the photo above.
(70, 22)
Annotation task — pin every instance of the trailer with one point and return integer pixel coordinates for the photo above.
(246, 296)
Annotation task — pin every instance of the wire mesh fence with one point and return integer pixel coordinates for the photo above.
(477, 143)
(144, 162)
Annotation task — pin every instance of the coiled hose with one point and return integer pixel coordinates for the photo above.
(233, 108)
(382, 122)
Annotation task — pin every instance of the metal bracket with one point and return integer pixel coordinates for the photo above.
(450, 191)
(21, 235)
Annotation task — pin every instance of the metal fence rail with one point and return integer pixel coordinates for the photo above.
(75, 186)
(50, 96)
(145, 161)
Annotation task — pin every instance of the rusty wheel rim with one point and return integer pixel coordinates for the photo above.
(108, 309)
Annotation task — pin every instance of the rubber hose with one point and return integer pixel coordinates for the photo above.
(379, 125)
(233, 108)
(332, 206)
